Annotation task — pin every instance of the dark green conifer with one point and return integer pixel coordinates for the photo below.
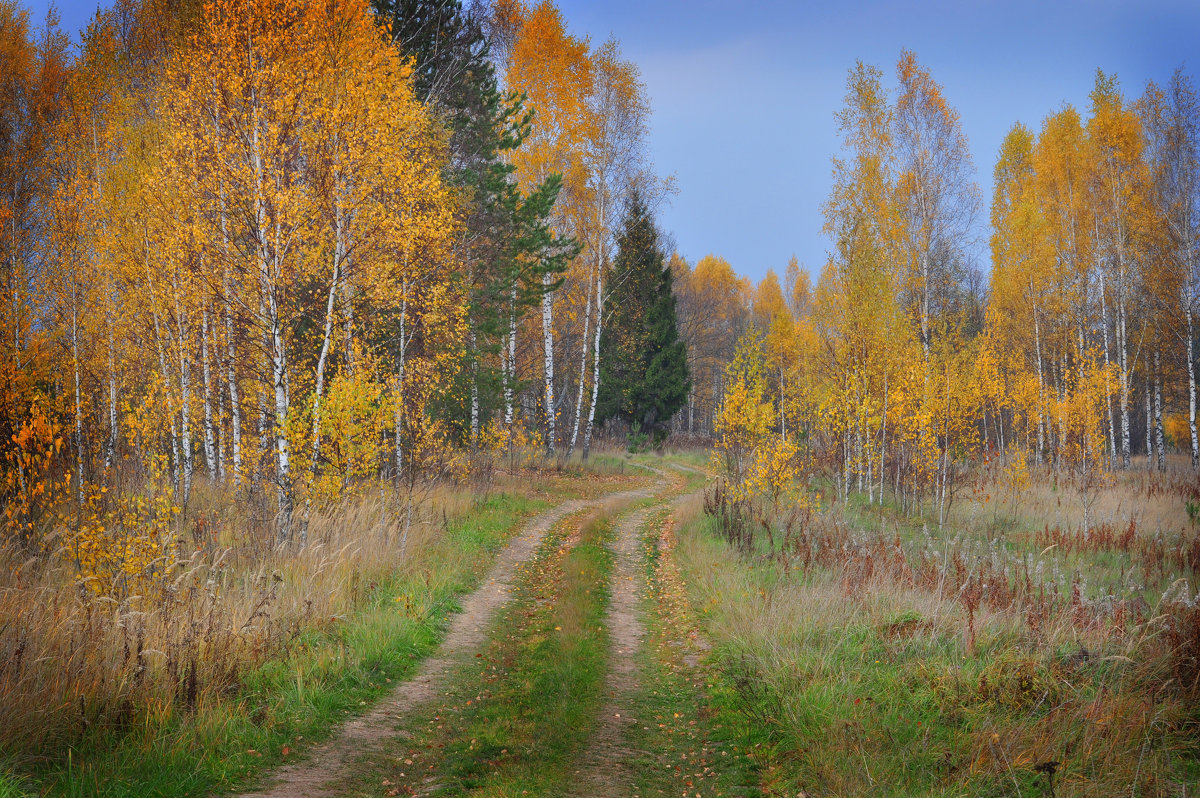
(643, 363)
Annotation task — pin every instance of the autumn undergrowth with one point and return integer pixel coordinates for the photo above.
(515, 719)
(874, 653)
(251, 651)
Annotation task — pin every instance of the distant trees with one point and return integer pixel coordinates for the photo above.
(1093, 287)
(895, 371)
(589, 126)
(712, 312)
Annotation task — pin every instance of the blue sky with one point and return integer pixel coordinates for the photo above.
(744, 94)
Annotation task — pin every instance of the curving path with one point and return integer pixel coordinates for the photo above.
(326, 764)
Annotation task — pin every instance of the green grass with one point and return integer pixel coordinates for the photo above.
(694, 738)
(516, 719)
(328, 674)
(877, 690)
(12, 785)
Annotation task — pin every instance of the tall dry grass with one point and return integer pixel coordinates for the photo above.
(228, 600)
(1017, 633)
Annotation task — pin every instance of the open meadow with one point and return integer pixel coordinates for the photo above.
(869, 651)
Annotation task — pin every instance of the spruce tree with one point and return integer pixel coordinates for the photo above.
(643, 363)
(508, 243)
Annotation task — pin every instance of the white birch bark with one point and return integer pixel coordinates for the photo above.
(235, 407)
(1149, 425)
(185, 393)
(398, 406)
(176, 470)
(591, 422)
(1159, 436)
(210, 438)
(509, 364)
(585, 343)
(339, 254)
(1191, 372)
(1041, 420)
(1112, 430)
(269, 269)
(78, 391)
(282, 454)
(110, 453)
(474, 390)
(1123, 360)
(220, 420)
(548, 364)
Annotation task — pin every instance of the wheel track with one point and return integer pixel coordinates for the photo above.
(326, 764)
(605, 766)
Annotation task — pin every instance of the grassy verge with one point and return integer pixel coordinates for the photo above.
(856, 671)
(693, 736)
(515, 719)
(328, 672)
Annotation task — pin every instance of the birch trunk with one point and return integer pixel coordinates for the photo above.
(210, 442)
(235, 407)
(176, 469)
(339, 254)
(509, 364)
(691, 410)
(1112, 429)
(1159, 436)
(548, 364)
(1041, 419)
(282, 453)
(1149, 425)
(583, 353)
(398, 408)
(185, 394)
(269, 269)
(78, 395)
(110, 454)
(591, 422)
(220, 421)
(1191, 372)
(883, 439)
(15, 285)
(1123, 359)
(474, 391)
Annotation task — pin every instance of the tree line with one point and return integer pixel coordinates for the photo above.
(288, 245)
(901, 367)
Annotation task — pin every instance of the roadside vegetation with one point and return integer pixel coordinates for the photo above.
(251, 651)
(875, 652)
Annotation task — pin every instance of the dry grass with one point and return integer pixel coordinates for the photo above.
(70, 659)
(74, 664)
(875, 654)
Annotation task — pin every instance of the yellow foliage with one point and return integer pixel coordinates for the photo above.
(122, 545)
(28, 476)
